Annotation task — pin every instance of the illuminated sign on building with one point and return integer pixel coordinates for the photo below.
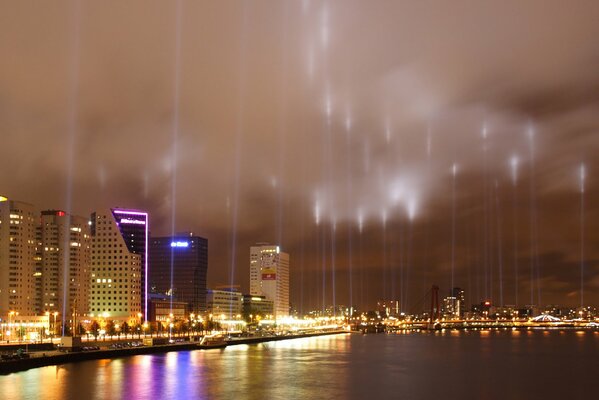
(269, 274)
(179, 244)
(132, 221)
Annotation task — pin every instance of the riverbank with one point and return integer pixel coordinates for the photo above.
(48, 358)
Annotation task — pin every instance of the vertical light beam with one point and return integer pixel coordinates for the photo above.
(582, 182)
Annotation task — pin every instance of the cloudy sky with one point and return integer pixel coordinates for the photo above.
(386, 145)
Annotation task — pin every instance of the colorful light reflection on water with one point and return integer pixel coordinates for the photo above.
(451, 364)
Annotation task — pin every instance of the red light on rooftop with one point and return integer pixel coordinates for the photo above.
(60, 213)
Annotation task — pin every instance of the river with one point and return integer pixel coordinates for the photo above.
(490, 364)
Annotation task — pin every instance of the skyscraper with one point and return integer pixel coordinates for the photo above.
(188, 255)
(19, 258)
(119, 263)
(453, 305)
(269, 276)
(65, 248)
(459, 295)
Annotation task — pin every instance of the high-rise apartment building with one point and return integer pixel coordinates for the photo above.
(269, 276)
(119, 263)
(65, 263)
(454, 304)
(389, 308)
(178, 268)
(460, 299)
(19, 258)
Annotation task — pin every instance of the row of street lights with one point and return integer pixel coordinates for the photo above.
(20, 329)
(195, 322)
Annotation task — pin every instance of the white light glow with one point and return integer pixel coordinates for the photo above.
(360, 220)
(317, 212)
(582, 177)
(514, 168)
(412, 206)
(132, 221)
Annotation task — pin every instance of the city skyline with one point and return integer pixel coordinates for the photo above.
(386, 147)
(162, 271)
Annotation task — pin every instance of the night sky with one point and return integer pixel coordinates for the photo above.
(380, 142)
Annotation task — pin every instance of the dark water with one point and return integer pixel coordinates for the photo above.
(533, 364)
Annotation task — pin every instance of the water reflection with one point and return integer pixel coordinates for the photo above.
(402, 365)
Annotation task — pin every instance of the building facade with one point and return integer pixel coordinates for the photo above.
(65, 263)
(388, 308)
(255, 307)
(225, 302)
(269, 276)
(119, 263)
(165, 311)
(20, 275)
(460, 298)
(186, 280)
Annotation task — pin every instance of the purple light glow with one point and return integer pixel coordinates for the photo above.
(132, 221)
(146, 274)
(131, 212)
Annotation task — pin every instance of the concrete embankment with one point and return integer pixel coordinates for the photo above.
(260, 339)
(41, 359)
(27, 347)
(46, 359)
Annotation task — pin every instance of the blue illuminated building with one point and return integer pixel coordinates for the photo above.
(188, 256)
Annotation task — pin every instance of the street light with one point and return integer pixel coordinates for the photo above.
(170, 320)
(54, 327)
(139, 324)
(10, 315)
(47, 313)
(192, 325)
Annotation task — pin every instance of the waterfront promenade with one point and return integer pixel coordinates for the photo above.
(46, 355)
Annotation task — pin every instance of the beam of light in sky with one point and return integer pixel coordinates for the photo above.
(582, 176)
(514, 168)
(429, 142)
(387, 131)
(317, 211)
(324, 28)
(348, 121)
(360, 219)
(412, 207)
